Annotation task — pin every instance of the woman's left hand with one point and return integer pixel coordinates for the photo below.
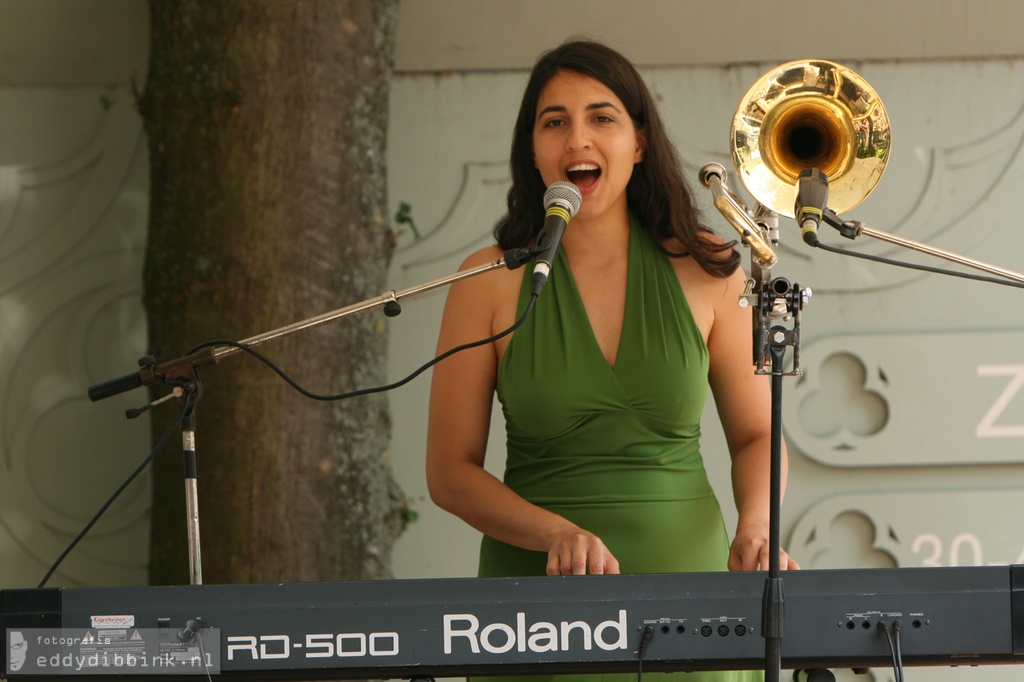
(749, 552)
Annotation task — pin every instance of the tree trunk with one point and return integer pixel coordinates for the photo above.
(267, 124)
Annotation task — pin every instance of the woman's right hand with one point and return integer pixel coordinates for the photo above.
(579, 552)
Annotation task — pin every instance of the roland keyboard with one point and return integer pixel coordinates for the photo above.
(491, 626)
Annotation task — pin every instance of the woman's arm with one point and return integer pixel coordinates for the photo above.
(743, 399)
(461, 395)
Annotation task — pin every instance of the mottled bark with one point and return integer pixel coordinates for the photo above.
(267, 125)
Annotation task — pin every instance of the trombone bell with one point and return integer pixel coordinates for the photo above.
(810, 114)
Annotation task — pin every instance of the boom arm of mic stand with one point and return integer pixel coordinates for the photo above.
(183, 368)
(852, 229)
(388, 300)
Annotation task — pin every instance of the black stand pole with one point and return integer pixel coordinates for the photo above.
(772, 300)
(773, 609)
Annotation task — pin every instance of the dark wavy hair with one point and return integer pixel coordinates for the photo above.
(657, 193)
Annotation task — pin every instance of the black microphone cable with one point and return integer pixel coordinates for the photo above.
(378, 389)
(193, 631)
(850, 230)
(892, 634)
(645, 641)
(915, 266)
(897, 629)
(202, 656)
(117, 493)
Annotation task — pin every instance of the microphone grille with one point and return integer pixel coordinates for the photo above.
(564, 193)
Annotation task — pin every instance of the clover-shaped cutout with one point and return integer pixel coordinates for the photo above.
(843, 403)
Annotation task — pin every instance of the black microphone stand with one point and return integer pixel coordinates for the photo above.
(181, 374)
(772, 300)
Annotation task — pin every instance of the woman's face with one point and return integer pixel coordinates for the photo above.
(583, 134)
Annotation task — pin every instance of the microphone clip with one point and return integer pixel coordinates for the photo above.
(515, 258)
(851, 229)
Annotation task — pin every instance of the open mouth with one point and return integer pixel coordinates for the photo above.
(583, 174)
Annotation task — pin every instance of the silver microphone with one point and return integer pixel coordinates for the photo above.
(561, 202)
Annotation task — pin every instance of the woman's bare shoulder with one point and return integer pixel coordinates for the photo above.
(481, 305)
(481, 256)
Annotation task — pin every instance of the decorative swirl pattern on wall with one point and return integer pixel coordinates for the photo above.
(72, 232)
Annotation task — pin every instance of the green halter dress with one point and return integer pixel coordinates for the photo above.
(616, 450)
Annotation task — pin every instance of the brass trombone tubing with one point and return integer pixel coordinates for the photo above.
(713, 176)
